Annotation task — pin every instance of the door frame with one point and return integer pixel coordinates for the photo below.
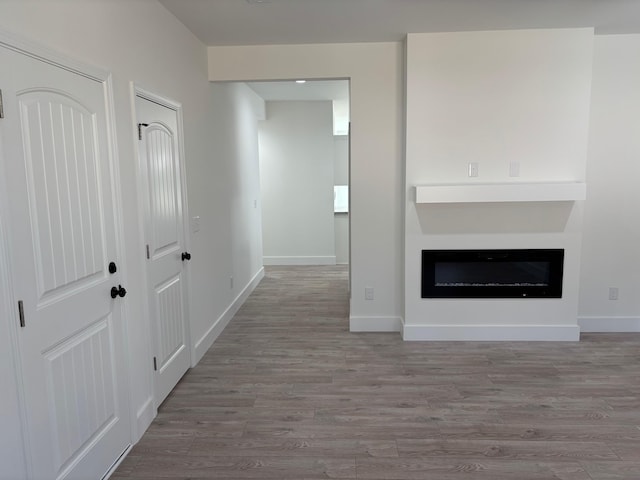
(52, 57)
(137, 90)
(9, 342)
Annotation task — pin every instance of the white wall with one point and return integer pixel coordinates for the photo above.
(611, 240)
(375, 71)
(141, 41)
(341, 177)
(296, 177)
(228, 186)
(244, 179)
(494, 98)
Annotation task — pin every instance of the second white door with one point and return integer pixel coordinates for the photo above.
(167, 258)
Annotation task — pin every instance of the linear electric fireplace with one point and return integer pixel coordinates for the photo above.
(492, 273)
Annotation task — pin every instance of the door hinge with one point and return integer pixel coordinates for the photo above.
(140, 125)
(1, 107)
(21, 314)
(148, 256)
(155, 364)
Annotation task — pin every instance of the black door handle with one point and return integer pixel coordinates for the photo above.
(118, 291)
(186, 256)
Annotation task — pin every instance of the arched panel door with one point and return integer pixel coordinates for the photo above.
(62, 234)
(167, 258)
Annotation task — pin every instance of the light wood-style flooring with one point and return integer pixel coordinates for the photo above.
(287, 393)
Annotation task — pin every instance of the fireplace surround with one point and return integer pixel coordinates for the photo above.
(521, 273)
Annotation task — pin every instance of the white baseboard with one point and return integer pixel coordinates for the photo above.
(218, 326)
(144, 416)
(492, 333)
(375, 324)
(329, 260)
(609, 324)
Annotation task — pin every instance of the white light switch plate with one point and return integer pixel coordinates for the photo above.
(514, 169)
(195, 224)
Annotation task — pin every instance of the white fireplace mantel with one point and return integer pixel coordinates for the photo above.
(501, 192)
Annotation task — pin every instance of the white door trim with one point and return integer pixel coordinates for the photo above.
(44, 54)
(139, 91)
(11, 324)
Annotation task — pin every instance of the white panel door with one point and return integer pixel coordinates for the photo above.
(62, 236)
(159, 155)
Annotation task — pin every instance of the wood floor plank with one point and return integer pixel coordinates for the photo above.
(186, 425)
(628, 450)
(283, 468)
(306, 447)
(622, 470)
(510, 449)
(465, 467)
(286, 392)
(546, 433)
(321, 430)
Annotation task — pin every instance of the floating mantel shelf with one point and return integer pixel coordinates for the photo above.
(502, 192)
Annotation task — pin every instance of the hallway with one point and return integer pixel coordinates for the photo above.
(287, 392)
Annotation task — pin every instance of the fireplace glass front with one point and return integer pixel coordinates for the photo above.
(532, 273)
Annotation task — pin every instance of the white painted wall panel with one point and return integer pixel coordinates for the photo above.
(341, 177)
(296, 179)
(611, 253)
(375, 71)
(494, 98)
(228, 184)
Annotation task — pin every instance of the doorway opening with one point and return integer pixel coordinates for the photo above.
(304, 158)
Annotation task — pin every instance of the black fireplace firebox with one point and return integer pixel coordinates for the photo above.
(533, 273)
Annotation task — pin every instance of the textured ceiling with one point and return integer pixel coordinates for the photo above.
(254, 22)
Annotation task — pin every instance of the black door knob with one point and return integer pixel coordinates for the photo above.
(112, 268)
(186, 256)
(118, 291)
